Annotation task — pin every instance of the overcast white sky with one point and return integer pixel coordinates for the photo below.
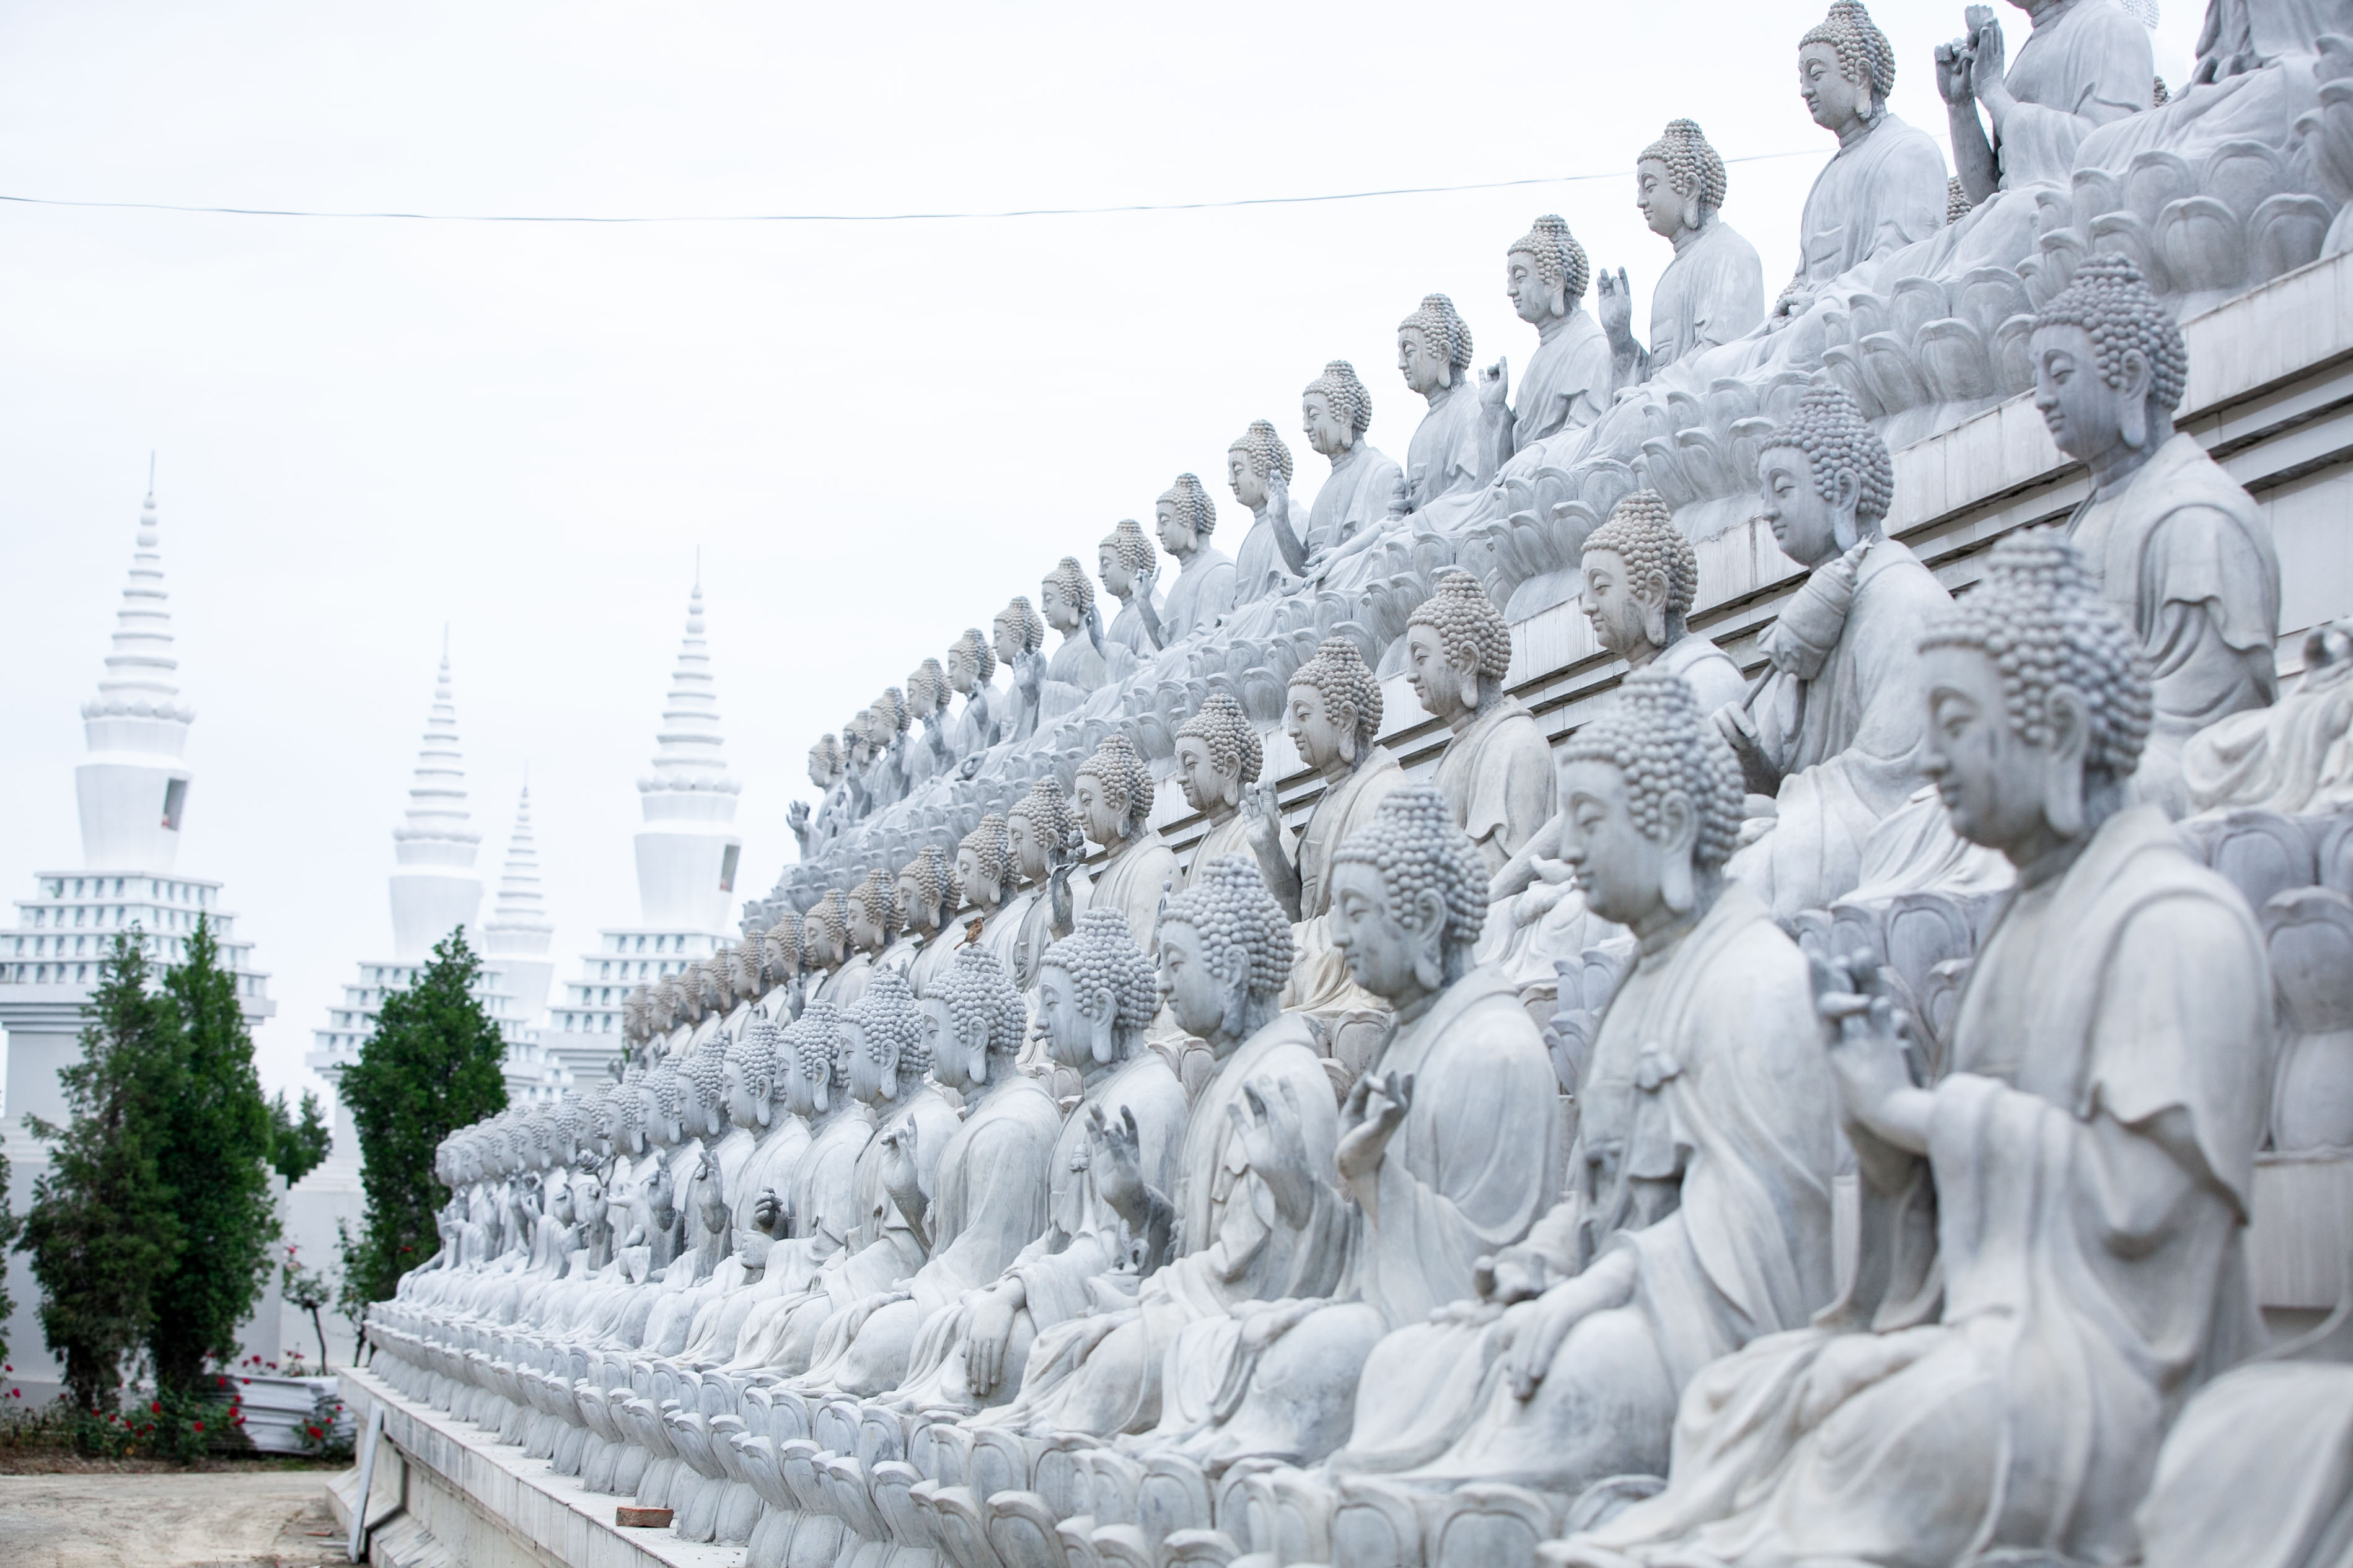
(876, 432)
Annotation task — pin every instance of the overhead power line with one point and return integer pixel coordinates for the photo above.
(862, 218)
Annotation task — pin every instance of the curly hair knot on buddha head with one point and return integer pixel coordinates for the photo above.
(2041, 619)
(754, 1055)
(669, 1090)
(927, 688)
(1231, 740)
(1194, 509)
(1339, 674)
(1070, 579)
(815, 1040)
(1126, 780)
(890, 716)
(991, 848)
(1694, 168)
(1413, 843)
(1641, 532)
(1657, 738)
(1470, 629)
(1028, 625)
(1227, 902)
(935, 885)
(1339, 386)
(973, 647)
(1101, 955)
(1264, 450)
(824, 761)
(886, 1014)
(830, 918)
(1830, 429)
(1048, 812)
(1442, 327)
(877, 895)
(1561, 261)
(780, 949)
(1864, 56)
(2109, 299)
(1129, 544)
(705, 1071)
(983, 1001)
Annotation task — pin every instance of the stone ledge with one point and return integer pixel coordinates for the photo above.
(485, 1505)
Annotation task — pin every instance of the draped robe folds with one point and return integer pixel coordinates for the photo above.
(2294, 758)
(1882, 192)
(768, 1167)
(846, 982)
(1847, 740)
(1203, 591)
(1566, 385)
(1320, 981)
(1474, 1163)
(1102, 1375)
(1710, 294)
(1074, 672)
(1234, 835)
(1496, 774)
(1127, 628)
(1133, 882)
(2074, 74)
(823, 1201)
(1260, 570)
(1083, 1260)
(2185, 558)
(974, 726)
(2034, 1298)
(988, 1201)
(1707, 1148)
(1443, 455)
(1354, 498)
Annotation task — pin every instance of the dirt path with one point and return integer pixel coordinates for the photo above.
(271, 1519)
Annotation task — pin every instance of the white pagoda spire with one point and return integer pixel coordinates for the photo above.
(518, 933)
(435, 889)
(133, 789)
(687, 856)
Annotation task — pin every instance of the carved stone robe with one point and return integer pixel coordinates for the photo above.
(1354, 498)
(1566, 385)
(823, 1199)
(1707, 1149)
(1134, 881)
(1259, 567)
(1074, 672)
(1128, 630)
(1884, 193)
(2071, 76)
(975, 724)
(2185, 558)
(2037, 1296)
(1203, 591)
(1711, 293)
(1497, 777)
(1443, 455)
(1320, 981)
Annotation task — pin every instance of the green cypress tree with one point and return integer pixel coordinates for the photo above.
(10, 1222)
(432, 1064)
(102, 1231)
(216, 1160)
(297, 1147)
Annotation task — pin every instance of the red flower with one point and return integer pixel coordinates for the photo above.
(315, 1431)
(156, 1406)
(199, 1425)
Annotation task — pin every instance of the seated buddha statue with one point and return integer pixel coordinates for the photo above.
(1496, 774)
(1066, 600)
(1114, 804)
(1272, 557)
(971, 664)
(1446, 455)
(1184, 518)
(1219, 758)
(1714, 290)
(1128, 566)
(1568, 382)
(1351, 506)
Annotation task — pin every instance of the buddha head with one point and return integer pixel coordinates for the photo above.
(780, 950)
(889, 717)
(825, 762)
(1434, 346)
(974, 1020)
(1457, 648)
(748, 978)
(637, 1018)
(927, 891)
(1113, 793)
(1096, 994)
(1217, 752)
(1335, 411)
(1019, 630)
(971, 662)
(1038, 829)
(815, 1075)
(1845, 69)
(1254, 462)
(666, 1097)
(2038, 700)
(1333, 709)
(927, 691)
(622, 1117)
(872, 912)
(1124, 555)
(705, 1072)
(1679, 181)
(711, 984)
(1546, 271)
(1828, 481)
(984, 864)
(1225, 952)
(825, 932)
(2109, 363)
(858, 735)
(1409, 898)
(1065, 595)
(882, 1041)
(1650, 804)
(1639, 575)
(750, 1074)
(1184, 517)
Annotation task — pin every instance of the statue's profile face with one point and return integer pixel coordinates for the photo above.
(1534, 300)
(940, 1038)
(1993, 782)
(1117, 579)
(1667, 210)
(1379, 947)
(1438, 681)
(819, 946)
(1320, 735)
(742, 1107)
(800, 1091)
(865, 930)
(1069, 1032)
(912, 899)
(869, 1080)
(977, 887)
(1421, 363)
(1008, 639)
(2085, 414)
(964, 671)
(1030, 848)
(1205, 788)
(1618, 609)
(818, 773)
(1242, 476)
(1326, 431)
(1620, 868)
(1804, 525)
(1832, 100)
(1097, 814)
(1171, 530)
(1195, 996)
(1060, 612)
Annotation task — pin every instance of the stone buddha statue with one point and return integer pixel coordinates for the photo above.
(1833, 732)
(825, 945)
(1698, 1211)
(983, 869)
(1066, 600)
(1884, 187)
(1019, 633)
(1445, 456)
(1272, 557)
(1496, 774)
(1127, 565)
(2087, 64)
(1184, 518)
(889, 722)
(971, 665)
(826, 769)
(870, 918)
(1567, 385)
(858, 763)
(2053, 1224)
(927, 754)
(1219, 757)
(1043, 845)
(1714, 290)
(1114, 801)
(928, 897)
(2184, 554)
(1353, 505)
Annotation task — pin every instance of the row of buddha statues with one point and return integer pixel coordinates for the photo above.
(1308, 1199)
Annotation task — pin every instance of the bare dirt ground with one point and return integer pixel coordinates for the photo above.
(216, 1519)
